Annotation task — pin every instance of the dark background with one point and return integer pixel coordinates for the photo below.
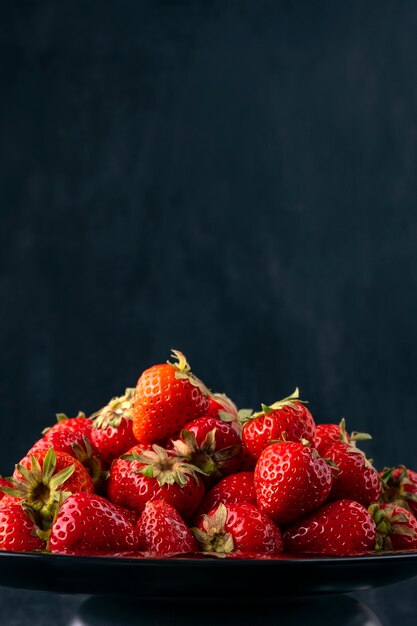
(233, 179)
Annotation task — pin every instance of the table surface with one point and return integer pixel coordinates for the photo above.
(385, 606)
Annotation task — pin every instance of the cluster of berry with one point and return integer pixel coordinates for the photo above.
(171, 468)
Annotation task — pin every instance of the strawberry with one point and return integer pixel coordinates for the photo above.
(112, 432)
(286, 419)
(355, 478)
(222, 407)
(161, 530)
(167, 397)
(328, 434)
(210, 444)
(238, 527)
(396, 527)
(291, 479)
(18, 532)
(155, 474)
(73, 436)
(87, 521)
(234, 488)
(68, 430)
(399, 485)
(339, 528)
(45, 478)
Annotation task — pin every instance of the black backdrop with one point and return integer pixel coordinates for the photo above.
(233, 179)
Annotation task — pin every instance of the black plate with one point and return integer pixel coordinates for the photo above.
(187, 577)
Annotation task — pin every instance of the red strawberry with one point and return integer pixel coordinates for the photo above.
(222, 407)
(234, 488)
(290, 480)
(210, 444)
(238, 527)
(161, 530)
(286, 419)
(167, 397)
(18, 530)
(68, 430)
(400, 486)
(41, 479)
(89, 522)
(155, 474)
(339, 528)
(355, 478)
(328, 434)
(112, 432)
(72, 436)
(396, 527)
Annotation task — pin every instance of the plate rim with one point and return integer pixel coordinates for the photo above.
(179, 561)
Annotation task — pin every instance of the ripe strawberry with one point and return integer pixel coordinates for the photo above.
(399, 485)
(89, 522)
(143, 475)
(286, 419)
(291, 479)
(339, 528)
(234, 488)
(18, 530)
(167, 397)
(45, 478)
(112, 432)
(396, 527)
(73, 436)
(238, 527)
(161, 530)
(355, 477)
(68, 430)
(328, 434)
(222, 407)
(210, 444)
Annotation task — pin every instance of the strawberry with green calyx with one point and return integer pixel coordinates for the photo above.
(340, 528)
(234, 488)
(328, 434)
(355, 477)
(289, 416)
(18, 530)
(222, 407)
(40, 486)
(399, 485)
(68, 430)
(83, 452)
(238, 527)
(112, 432)
(152, 473)
(88, 522)
(291, 479)
(396, 527)
(73, 436)
(210, 444)
(167, 396)
(162, 531)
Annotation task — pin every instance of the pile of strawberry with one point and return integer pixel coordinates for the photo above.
(172, 468)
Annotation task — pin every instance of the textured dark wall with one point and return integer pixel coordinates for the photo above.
(234, 179)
